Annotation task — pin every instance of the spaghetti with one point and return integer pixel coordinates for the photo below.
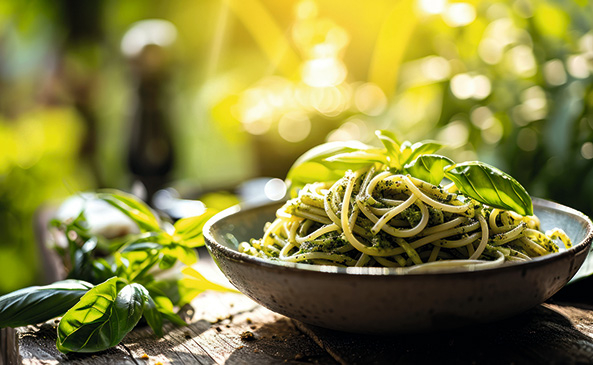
(377, 218)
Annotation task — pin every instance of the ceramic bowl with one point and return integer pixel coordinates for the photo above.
(379, 300)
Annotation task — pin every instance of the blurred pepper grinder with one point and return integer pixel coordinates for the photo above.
(150, 149)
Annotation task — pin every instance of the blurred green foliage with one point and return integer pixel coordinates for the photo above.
(252, 84)
(39, 162)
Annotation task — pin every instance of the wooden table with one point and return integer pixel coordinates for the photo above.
(220, 327)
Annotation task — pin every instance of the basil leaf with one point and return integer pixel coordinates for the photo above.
(184, 254)
(410, 152)
(152, 316)
(194, 283)
(163, 304)
(131, 206)
(38, 304)
(312, 165)
(138, 264)
(392, 146)
(142, 246)
(81, 258)
(188, 231)
(102, 317)
(490, 186)
(365, 157)
(167, 262)
(429, 168)
(102, 270)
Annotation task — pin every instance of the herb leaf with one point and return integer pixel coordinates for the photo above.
(312, 166)
(429, 168)
(164, 305)
(38, 304)
(362, 157)
(490, 186)
(410, 152)
(188, 231)
(132, 207)
(102, 317)
(193, 283)
(152, 316)
(392, 145)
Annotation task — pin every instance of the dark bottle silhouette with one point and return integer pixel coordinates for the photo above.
(150, 149)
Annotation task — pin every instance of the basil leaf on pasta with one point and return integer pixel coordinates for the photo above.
(429, 168)
(392, 145)
(490, 186)
(312, 166)
(363, 157)
(412, 151)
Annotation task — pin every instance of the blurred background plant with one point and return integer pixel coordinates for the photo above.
(203, 95)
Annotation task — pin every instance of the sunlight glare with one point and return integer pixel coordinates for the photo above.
(459, 14)
(433, 6)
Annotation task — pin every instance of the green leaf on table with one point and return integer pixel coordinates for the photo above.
(131, 206)
(164, 305)
(429, 168)
(188, 231)
(195, 283)
(490, 186)
(102, 317)
(312, 166)
(153, 316)
(38, 304)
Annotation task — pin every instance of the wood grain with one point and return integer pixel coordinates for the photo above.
(214, 336)
(559, 331)
(549, 333)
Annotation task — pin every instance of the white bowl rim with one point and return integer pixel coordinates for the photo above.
(237, 256)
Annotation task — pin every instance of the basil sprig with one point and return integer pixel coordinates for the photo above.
(477, 180)
(102, 317)
(122, 279)
(38, 304)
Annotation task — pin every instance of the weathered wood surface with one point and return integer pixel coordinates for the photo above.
(559, 331)
(554, 332)
(546, 334)
(214, 336)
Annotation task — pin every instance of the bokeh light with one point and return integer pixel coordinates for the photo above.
(433, 6)
(275, 189)
(587, 150)
(159, 32)
(503, 81)
(459, 14)
(294, 126)
(370, 99)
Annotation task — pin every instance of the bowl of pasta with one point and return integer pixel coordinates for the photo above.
(399, 240)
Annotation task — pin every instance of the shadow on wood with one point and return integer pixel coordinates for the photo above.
(547, 333)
